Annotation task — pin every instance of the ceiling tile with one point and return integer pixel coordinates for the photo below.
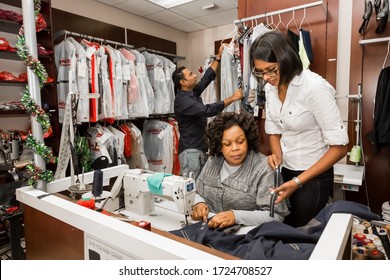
(139, 7)
(217, 19)
(166, 17)
(111, 2)
(188, 26)
(194, 9)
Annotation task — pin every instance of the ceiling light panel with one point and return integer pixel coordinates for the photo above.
(167, 4)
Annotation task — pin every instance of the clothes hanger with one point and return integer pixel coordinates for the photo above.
(292, 20)
(271, 24)
(305, 19)
(247, 33)
(280, 22)
(387, 54)
(234, 32)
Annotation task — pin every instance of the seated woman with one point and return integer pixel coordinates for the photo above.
(236, 179)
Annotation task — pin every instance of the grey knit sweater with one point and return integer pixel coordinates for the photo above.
(246, 191)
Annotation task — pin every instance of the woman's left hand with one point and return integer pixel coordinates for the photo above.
(222, 219)
(285, 190)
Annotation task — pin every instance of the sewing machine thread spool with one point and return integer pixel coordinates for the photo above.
(355, 155)
(370, 246)
(375, 255)
(359, 254)
(97, 185)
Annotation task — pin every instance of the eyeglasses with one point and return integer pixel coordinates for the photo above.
(269, 73)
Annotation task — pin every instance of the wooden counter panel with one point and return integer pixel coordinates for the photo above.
(50, 239)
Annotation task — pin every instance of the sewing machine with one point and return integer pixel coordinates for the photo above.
(140, 199)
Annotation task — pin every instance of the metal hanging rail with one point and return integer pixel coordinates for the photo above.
(375, 40)
(66, 32)
(175, 57)
(308, 5)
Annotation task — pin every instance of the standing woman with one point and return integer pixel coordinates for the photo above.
(306, 133)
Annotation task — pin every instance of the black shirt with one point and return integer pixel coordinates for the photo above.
(191, 114)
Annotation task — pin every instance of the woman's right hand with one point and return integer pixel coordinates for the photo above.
(200, 211)
(274, 161)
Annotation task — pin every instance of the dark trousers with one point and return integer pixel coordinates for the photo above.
(308, 201)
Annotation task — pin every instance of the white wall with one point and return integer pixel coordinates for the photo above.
(201, 44)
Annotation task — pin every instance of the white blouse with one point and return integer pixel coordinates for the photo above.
(309, 120)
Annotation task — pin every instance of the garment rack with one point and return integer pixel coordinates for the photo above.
(375, 40)
(300, 7)
(174, 56)
(66, 32)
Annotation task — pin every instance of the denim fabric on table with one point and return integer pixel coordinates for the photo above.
(275, 240)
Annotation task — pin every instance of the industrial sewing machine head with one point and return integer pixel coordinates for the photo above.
(142, 186)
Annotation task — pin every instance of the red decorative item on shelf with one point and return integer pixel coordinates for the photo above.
(40, 23)
(43, 51)
(11, 16)
(11, 49)
(49, 80)
(8, 76)
(23, 76)
(4, 45)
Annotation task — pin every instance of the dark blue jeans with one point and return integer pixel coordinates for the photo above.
(309, 200)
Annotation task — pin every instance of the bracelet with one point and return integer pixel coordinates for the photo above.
(297, 181)
(218, 59)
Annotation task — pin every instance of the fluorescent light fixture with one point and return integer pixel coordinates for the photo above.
(167, 4)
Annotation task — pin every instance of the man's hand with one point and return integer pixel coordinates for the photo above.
(219, 55)
(238, 94)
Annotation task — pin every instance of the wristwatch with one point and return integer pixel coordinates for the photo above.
(218, 59)
(297, 181)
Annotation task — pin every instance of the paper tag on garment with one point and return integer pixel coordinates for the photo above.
(104, 137)
(98, 61)
(256, 111)
(126, 72)
(82, 68)
(90, 51)
(162, 133)
(118, 71)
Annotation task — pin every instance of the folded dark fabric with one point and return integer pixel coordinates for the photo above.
(274, 240)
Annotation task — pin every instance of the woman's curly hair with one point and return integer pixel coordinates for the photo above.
(225, 120)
